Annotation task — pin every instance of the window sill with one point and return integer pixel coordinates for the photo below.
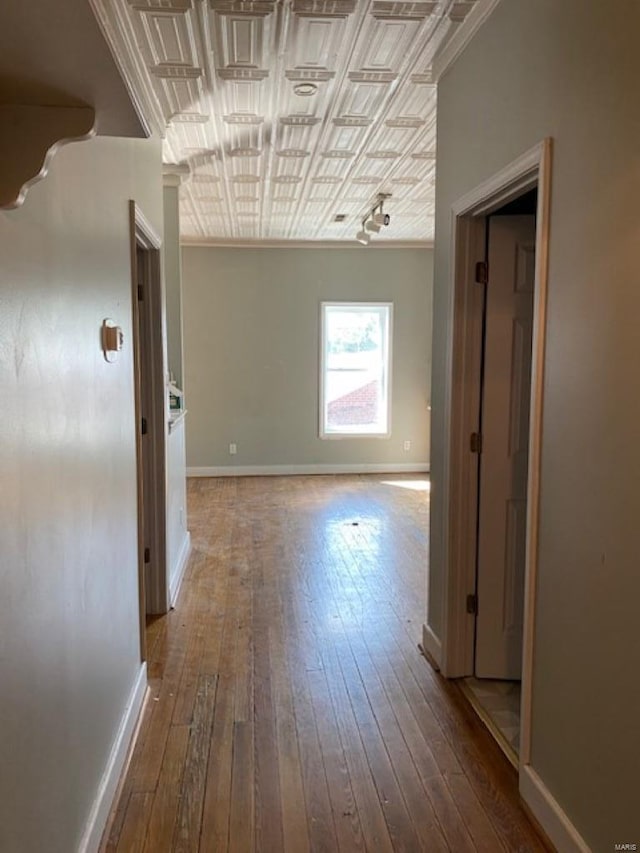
(332, 436)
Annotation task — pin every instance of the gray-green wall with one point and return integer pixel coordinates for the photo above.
(172, 286)
(251, 341)
(69, 623)
(569, 70)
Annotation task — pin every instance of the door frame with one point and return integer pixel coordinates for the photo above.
(152, 501)
(464, 358)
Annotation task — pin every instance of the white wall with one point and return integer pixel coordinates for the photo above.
(568, 70)
(251, 336)
(69, 635)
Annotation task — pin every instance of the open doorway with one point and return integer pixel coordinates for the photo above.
(499, 297)
(151, 418)
(502, 445)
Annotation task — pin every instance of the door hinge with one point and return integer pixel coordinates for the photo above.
(475, 442)
(147, 555)
(472, 604)
(143, 426)
(482, 272)
(140, 292)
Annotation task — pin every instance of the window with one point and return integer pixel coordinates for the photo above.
(355, 373)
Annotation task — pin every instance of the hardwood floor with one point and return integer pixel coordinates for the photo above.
(290, 707)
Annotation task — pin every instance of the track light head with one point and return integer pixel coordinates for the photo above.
(363, 237)
(372, 226)
(381, 219)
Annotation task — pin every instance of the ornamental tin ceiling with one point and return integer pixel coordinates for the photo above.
(286, 118)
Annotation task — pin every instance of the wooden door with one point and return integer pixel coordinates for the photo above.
(505, 447)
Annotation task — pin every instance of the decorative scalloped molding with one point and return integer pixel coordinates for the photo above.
(31, 135)
(457, 43)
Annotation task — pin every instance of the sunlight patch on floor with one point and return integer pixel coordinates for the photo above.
(414, 485)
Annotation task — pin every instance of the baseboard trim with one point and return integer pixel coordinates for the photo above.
(549, 814)
(178, 575)
(431, 647)
(116, 765)
(283, 470)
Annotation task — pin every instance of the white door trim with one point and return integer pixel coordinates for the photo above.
(462, 409)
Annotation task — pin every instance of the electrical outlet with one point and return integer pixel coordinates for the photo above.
(233, 448)
(406, 445)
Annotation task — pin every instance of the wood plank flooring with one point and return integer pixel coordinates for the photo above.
(290, 707)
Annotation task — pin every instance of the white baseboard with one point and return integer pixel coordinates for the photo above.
(127, 732)
(178, 574)
(280, 470)
(549, 814)
(432, 645)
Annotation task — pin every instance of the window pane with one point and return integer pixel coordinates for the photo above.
(355, 365)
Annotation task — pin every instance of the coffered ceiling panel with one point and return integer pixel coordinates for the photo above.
(286, 118)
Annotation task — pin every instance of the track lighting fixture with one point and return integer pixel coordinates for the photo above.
(362, 236)
(381, 218)
(374, 220)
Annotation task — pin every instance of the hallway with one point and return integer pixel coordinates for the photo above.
(290, 709)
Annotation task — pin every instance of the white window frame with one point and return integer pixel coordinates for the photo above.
(324, 434)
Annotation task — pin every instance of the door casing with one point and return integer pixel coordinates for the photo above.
(462, 408)
(149, 366)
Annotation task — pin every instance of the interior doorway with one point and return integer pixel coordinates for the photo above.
(508, 281)
(495, 416)
(503, 459)
(149, 357)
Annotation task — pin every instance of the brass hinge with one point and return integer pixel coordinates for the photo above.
(475, 442)
(482, 272)
(472, 604)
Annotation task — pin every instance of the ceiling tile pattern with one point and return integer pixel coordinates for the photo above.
(285, 114)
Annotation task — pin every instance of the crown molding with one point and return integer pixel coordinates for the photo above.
(461, 38)
(173, 174)
(304, 244)
(112, 20)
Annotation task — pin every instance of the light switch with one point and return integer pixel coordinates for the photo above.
(112, 340)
